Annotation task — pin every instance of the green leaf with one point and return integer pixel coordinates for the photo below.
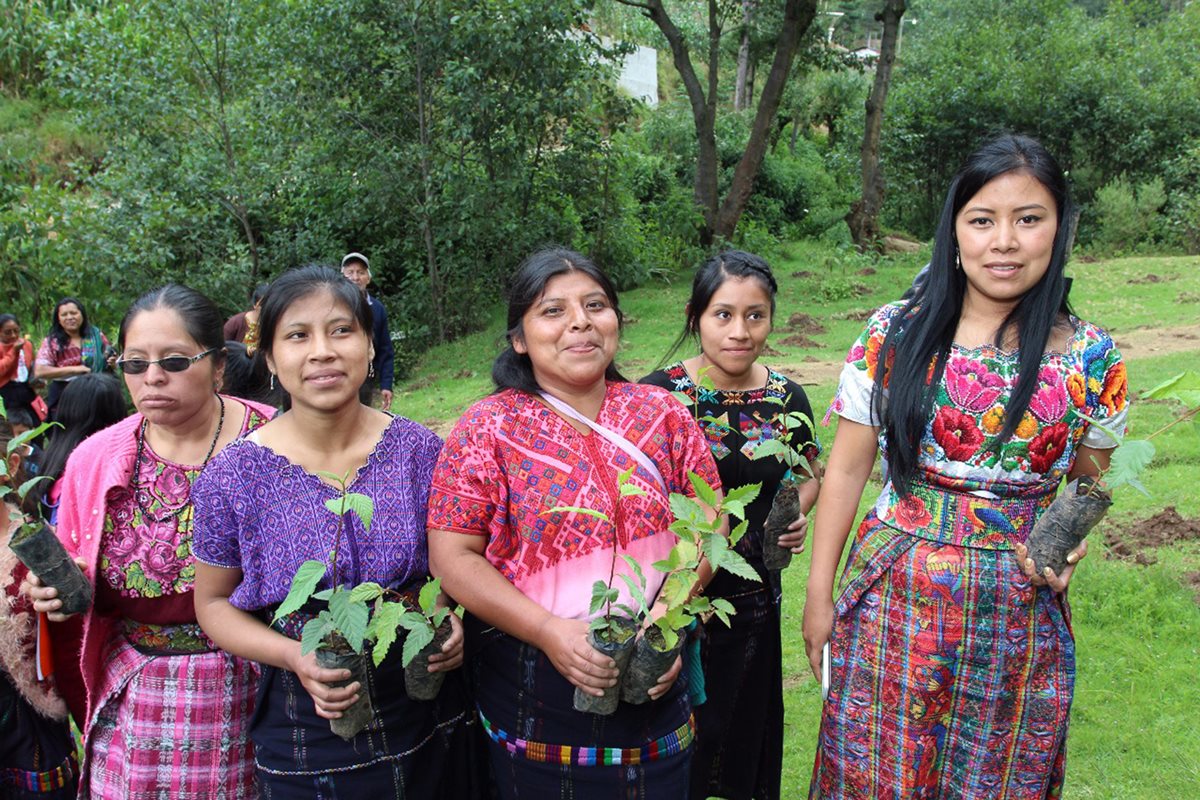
(601, 596)
(307, 576)
(29, 435)
(632, 490)
(738, 532)
(1099, 425)
(686, 509)
(733, 562)
(314, 631)
(705, 493)
(25, 487)
(1184, 387)
(1128, 462)
(744, 494)
(360, 504)
(683, 397)
(578, 510)
(723, 610)
(429, 596)
(351, 617)
(366, 592)
(384, 626)
(414, 642)
(770, 447)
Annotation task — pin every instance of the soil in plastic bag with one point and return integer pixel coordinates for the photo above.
(358, 716)
(784, 511)
(42, 552)
(620, 650)
(419, 682)
(1066, 522)
(650, 660)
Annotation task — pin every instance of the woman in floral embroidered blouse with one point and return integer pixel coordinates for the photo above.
(73, 347)
(162, 710)
(952, 662)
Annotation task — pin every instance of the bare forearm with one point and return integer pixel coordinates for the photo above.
(242, 634)
(471, 580)
(51, 373)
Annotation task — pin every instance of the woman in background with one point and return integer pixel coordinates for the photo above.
(740, 403)
(16, 366)
(73, 347)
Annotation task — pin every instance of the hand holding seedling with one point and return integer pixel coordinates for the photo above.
(564, 641)
(1048, 578)
(451, 656)
(330, 701)
(45, 598)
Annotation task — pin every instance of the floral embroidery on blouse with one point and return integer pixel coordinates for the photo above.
(970, 406)
(141, 555)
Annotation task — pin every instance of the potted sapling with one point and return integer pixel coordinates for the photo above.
(428, 627)
(614, 626)
(1084, 501)
(785, 508)
(678, 602)
(34, 543)
(357, 618)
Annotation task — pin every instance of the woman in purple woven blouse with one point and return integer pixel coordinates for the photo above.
(260, 513)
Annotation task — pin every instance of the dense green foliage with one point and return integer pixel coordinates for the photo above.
(1111, 95)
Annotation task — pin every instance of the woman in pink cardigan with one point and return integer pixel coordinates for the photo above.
(163, 711)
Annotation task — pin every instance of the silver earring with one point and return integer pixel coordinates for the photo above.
(370, 369)
(272, 381)
(957, 259)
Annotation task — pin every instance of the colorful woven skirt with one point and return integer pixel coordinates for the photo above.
(952, 676)
(541, 747)
(170, 726)
(37, 755)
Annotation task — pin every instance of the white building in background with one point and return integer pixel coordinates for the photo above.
(639, 74)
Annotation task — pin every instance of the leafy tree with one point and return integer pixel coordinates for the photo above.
(721, 215)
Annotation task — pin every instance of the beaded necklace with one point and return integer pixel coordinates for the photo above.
(137, 466)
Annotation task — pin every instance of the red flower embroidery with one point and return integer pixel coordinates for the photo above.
(1116, 385)
(1047, 446)
(910, 513)
(957, 433)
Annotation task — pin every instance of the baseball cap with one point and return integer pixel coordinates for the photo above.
(356, 257)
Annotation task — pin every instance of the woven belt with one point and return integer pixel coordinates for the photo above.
(57, 778)
(167, 640)
(966, 519)
(673, 743)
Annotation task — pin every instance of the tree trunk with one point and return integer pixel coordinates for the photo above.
(720, 221)
(797, 16)
(741, 88)
(863, 218)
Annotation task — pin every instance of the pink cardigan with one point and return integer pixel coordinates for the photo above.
(102, 462)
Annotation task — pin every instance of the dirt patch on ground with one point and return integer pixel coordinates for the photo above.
(800, 340)
(1135, 541)
(866, 271)
(803, 273)
(1150, 277)
(1147, 341)
(804, 323)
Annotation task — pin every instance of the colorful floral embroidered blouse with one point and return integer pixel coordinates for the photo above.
(510, 461)
(142, 557)
(52, 354)
(959, 444)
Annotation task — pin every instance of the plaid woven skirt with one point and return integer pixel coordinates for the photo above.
(952, 676)
(170, 726)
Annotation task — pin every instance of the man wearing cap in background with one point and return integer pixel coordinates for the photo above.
(357, 270)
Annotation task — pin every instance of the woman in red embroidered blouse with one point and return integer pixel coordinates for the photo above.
(527, 571)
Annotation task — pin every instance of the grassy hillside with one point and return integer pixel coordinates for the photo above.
(1136, 619)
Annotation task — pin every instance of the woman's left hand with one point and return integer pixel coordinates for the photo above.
(1056, 582)
(451, 656)
(666, 680)
(796, 535)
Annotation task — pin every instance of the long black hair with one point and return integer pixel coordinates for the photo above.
(922, 332)
(513, 370)
(57, 333)
(89, 403)
(710, 277)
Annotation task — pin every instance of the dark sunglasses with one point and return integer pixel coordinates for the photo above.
(136, 366)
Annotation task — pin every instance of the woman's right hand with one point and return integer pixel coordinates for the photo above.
(45, 598)
(817, 627)
(565, 643)
(330, 701)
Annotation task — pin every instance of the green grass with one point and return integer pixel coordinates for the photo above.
(1135, 728)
